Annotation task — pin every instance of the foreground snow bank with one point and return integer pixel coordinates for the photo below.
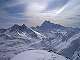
(38, 55)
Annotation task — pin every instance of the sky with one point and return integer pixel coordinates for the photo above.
(35, 12)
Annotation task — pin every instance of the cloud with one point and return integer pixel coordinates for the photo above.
(56, 4)
(41, 10)
(34, 12)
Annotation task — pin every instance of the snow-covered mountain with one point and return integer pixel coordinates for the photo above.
(17, 39)
(62, 40)
(49, 36)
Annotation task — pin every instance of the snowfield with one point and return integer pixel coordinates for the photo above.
(38, 55)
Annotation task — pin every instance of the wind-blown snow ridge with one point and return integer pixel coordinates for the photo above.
(38, 34)
(38, 55)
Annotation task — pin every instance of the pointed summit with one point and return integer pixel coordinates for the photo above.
(47, 25)
(15, 26)
(23, 25)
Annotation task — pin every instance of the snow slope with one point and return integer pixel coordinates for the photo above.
(38, 55)
(66, 44)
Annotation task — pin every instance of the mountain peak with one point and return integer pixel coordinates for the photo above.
(47, 21)
(48, 24)
(24, 26)
(15, 26)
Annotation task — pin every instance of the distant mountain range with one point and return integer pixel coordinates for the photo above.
(62, 40)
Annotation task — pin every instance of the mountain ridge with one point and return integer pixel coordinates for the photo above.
(48, 36)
